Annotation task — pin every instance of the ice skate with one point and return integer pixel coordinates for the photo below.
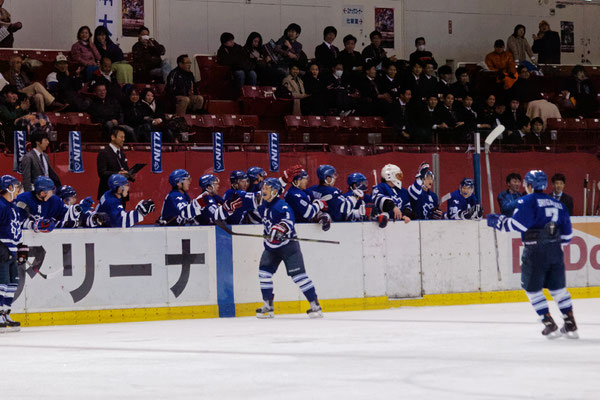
(3, 323)
(266, 311)
(315, 310)
(550, 328)
(12, 326)
(569, 329)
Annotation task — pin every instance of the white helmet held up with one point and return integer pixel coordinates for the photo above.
(392, 173)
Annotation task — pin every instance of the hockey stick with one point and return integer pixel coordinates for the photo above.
(222, 225)
(445, 198)
(488, 142)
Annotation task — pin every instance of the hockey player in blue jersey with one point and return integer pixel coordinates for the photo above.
(89, 218)
(239, 184)
(357, 187)
(338, 206)
(216, 208)
(43, 203)
(544, 224)
(12, 251)
(255, 176)
(303, 208)
(463, 204)
(110, 203)
(423, 200)
(390, 200)
(278, 220)
(178, 209)
(508, 199)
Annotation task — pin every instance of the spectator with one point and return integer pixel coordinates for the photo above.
(133, 116)
(14, 105)
(112, 160)
(107, 48)
(428, 82)
(518, 45)
(180, 87)
(351, 60)
(389, 82)
(444, 75)
(448, 115)
(462, 86)
(374, 52)
(153, 116)
(296, 86)
(537, 135)
(314, 104)
(372, 101)
(84, 51)
(526, 90)
(36, 92)
(326, 53)
(106, 75)
(414, 81)
(512, 116)
(105, 109)
(427, 120)
(36, 162)
(235, 57)
(401, 121)
(547, 45)
(519, 135)
(559, 181)
(507, 200)
(290, 50)
(502, 61)
(7, 28)
(66, 86)
(420, 54)
(339, 98)
(148, 65)
(581, 92)
(487, 113)
(467, 114)
(261, 62)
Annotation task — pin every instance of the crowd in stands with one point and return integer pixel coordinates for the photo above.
(422, 101)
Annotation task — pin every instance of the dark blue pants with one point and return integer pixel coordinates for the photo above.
(543, 267)
(9, 281)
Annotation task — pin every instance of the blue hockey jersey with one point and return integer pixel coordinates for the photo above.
(508, 202)
(54, 208)
(119, 218)
(459, 203)
(248, 204)
(423, 202)
(213, 211)
(179, 209)
(339, 206)
(383, 192)
(301, 205)
(11, 221)
(273, 213)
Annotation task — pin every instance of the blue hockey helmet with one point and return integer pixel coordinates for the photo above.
(324, 171)
(469, 182)
(66, 192)
(6, 181)
(357, 179)
(43, 184)
(273, 183)
(237, 175)
(179, 175)
(254, 172)
(116, 181)
(537, 179)
(207, 180)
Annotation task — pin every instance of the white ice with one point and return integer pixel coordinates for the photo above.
(461, 352)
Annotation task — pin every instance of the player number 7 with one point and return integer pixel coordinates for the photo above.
(552, 212)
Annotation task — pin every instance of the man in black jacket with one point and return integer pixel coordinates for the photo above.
(105, 109)
(112, 160)
(547, 44)
(558, 181)
(427, 121)
(422, 55)
(236, 57)
(180, 87)
(326, 53)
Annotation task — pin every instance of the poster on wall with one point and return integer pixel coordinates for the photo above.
(353, 16)
(567, 37)
(384, 23)
(107, 13)
(133, 17)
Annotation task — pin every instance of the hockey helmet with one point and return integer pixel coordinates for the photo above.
(324, 171)
(469, 182)
(207, 180)
(392, 173)
(254, 172)
(66, 192)
(273, 183)
(237, 175)
(116, 181)
(357, 179)
(43, 184)
(537, 179)
(179, 175)
(6, 181)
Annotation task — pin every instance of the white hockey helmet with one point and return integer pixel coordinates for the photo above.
(392, 173)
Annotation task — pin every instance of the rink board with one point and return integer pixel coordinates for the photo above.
(153, 273)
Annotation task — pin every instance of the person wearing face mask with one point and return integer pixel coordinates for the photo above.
(422, 55)
(339, 98)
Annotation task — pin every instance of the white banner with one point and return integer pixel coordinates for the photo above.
(107, 14)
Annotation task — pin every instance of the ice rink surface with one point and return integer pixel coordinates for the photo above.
(459, 352)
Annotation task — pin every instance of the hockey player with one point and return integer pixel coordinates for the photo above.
(338, 206)
(390, 200)
(424, 201)
(304, 210)
(357, 186)
(239, 184)
(216, 208)
(508, 199)
(12, 251)
(278, 221)
(463, 204)
(178, 209)
(255, 176)
(544, 224)
(110, 203)
(43, 203)
(89, 218)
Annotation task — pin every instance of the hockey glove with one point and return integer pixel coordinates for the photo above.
(496, 220)
(100, 219)
(291, 172)
(478, 212)
(201, 200)
(43, 225)
(423, 168)
(145, 207)
(467, 214)
(278, 233)
(320, 204)
(325, 221)
(437, 214)
(22, 253)
(358, 193)
(232, 204)
(408, 212)
(86, 204)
